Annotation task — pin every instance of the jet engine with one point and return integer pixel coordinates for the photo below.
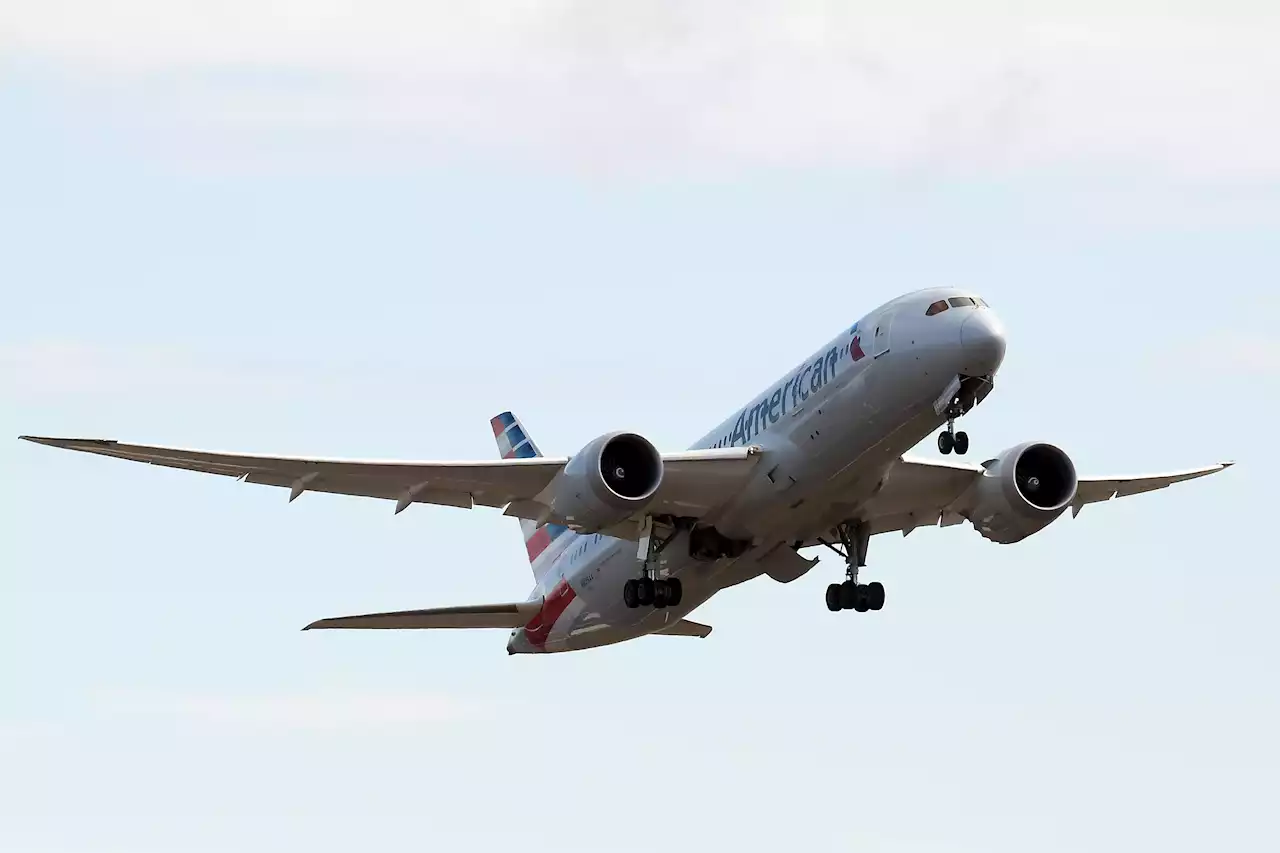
(1023, 491)
(612, 478)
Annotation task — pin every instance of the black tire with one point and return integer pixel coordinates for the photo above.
(675, 592)
(862, 599)
(962, 443)
(661, 594)
(645, 591)
(833, 598)
(875, 595)
(945, 443)
(630, 594)
(848, 595)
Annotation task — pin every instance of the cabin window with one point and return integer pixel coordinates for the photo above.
(936, 308)
(961, 301)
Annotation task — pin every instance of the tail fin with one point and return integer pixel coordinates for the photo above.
(543, 542)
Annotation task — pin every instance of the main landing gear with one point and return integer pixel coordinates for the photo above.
(851, 595)
(950, 439)
(647, 590)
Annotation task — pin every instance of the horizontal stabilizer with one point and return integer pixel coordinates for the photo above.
(685, 628)
(473, 616)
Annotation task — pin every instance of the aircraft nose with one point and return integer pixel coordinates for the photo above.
(982, 337)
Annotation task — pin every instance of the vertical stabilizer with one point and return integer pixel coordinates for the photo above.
(543, 542)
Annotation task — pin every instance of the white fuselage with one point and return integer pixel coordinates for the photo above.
(831, 429)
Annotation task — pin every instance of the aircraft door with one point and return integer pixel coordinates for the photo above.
(880, 344)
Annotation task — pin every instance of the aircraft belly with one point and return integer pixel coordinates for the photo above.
(839, 450)
(828, 460)
(598, 616)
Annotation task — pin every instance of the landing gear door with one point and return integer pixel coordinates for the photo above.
(880, 342)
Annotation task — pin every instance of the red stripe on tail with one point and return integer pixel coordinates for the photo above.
(553, 607)
(538, 543)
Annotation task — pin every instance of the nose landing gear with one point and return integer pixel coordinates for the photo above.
(950, 439)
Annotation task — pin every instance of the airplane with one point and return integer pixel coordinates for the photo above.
(625, 541)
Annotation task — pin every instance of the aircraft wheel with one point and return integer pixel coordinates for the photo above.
(645, 591)
(861, 599)
(848, 595)
(675, 592)
(661, 594)
(833, 598)
(875, 595)
(631, 593)
(945, 443)
(962, 443)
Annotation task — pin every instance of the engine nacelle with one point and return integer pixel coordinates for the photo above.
(1023, 491)
(609, 480)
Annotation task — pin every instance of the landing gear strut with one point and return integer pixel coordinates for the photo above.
(855, 537)
(950, 439)
(648, 590)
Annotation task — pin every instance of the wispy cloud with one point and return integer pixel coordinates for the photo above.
(54, 368)
(706, 82)
(65, 367)
(16, 732)
(1252, 354)
(1242, 353)
(326, 712)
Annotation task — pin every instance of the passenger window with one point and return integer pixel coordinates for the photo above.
(960, 301)
(936, 308)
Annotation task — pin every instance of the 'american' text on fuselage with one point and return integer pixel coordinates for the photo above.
(808, 380)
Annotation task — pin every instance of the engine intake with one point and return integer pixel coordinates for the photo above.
(630, 466)
(1045, 477)
(612, 478)
(1023, 491)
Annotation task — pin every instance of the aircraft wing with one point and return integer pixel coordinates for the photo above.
(694, 483)
(471, 616)
(927, 492)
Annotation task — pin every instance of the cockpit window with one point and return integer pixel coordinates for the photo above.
(961, 301)
(936, 308)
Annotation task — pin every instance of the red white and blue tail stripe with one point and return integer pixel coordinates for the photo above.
(513, 441)
(543, 542)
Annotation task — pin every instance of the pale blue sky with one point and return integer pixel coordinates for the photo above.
(305, 229)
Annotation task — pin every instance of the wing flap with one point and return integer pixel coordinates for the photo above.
(695, 482)
(368, 487)
(923, 492)
(448, 483)
(470, 616)
(1099, 489)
